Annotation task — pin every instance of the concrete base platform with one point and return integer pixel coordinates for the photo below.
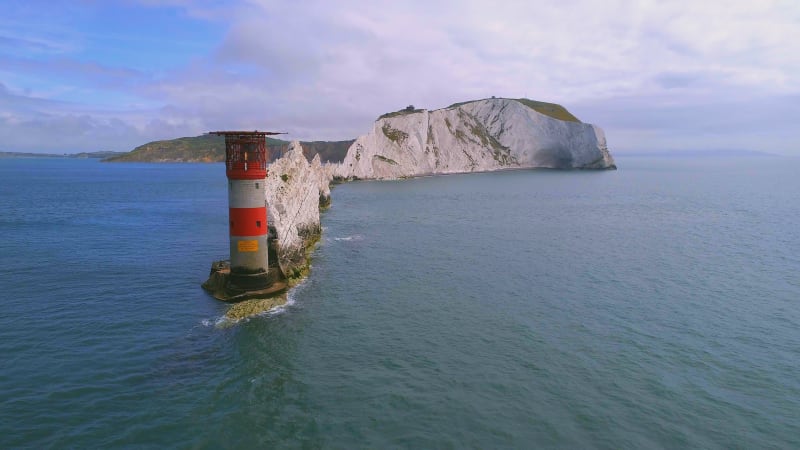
(221, 286)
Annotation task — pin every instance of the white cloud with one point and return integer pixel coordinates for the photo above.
(325, 70)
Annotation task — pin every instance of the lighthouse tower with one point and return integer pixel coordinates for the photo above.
(246, 169)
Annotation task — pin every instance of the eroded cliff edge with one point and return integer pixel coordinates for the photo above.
(482, 135)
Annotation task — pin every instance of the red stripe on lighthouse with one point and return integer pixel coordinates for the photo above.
(248, 221)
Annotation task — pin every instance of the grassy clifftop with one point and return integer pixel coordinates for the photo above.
(209, 148)
(205, 148)
(553, 110)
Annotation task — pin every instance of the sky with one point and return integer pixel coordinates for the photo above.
(656, 75)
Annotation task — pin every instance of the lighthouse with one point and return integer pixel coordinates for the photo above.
(246, 169)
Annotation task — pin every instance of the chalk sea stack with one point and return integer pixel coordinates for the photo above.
(295, 191)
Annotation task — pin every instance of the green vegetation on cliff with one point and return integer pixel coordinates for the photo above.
(407, 110)
(205, 148)
(549, 109)
(394, 134)
(209, 148)
(553, 110)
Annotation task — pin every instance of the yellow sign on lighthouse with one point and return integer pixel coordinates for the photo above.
(248, 246)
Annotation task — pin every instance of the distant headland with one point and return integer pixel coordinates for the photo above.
(210, 148)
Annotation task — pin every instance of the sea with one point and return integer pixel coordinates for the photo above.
(655, 306)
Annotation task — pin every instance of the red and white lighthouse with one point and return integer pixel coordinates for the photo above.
(246, 169)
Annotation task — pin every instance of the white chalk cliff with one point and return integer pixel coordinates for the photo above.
(482, 135)
(295, 189)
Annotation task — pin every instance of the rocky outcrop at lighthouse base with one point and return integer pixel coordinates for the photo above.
(483, 135)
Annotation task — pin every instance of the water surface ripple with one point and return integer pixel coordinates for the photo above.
(650, 307)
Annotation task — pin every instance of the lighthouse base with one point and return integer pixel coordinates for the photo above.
(235, 287)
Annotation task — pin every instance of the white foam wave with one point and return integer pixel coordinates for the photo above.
(355, 237)
(216, 322)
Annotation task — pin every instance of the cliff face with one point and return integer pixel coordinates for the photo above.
(483, 135)
(295, 191)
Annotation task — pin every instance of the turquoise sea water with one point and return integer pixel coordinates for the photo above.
(650, 307)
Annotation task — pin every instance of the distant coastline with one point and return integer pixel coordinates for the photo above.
(697, 153)
(95, 155)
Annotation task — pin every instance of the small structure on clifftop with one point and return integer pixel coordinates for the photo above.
(248, 273)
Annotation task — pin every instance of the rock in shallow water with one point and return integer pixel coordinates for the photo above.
(253, 307)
